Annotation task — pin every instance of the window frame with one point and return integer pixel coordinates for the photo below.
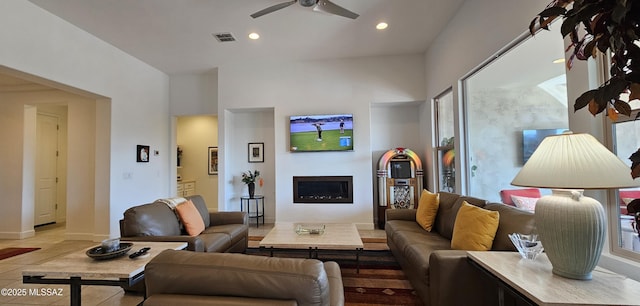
(613, 198)
(439, 149)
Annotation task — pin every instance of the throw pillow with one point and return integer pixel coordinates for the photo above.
(190, 217)
(626, 201)
(525, 203)
(474, 228)
(427, 209)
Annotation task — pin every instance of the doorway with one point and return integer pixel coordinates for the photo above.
(83, 120)
(46, 194)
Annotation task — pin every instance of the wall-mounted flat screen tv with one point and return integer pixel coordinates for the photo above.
(532, 138)
(313, 133)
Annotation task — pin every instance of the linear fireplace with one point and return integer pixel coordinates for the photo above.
(323, 189)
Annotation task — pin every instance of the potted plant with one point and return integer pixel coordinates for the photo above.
(250, 179)
(600, 26)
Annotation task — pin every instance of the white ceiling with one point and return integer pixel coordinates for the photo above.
(175, 36)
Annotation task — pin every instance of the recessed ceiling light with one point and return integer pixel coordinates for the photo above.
(558, 61)
(382, 26)
(254, 35)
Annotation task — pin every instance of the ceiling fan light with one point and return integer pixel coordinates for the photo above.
(308, 3)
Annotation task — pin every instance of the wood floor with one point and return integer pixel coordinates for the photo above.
(50, 239)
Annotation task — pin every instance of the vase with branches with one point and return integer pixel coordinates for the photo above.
(611, 27)
(250, 178)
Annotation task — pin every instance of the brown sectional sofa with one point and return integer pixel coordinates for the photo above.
(442, 276)
(224, 231)
(189, 278)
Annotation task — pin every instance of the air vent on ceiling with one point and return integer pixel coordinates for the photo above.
(224, 37)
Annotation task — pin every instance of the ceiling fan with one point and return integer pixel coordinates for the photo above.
(324, 6)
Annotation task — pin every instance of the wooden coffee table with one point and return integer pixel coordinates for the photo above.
(336, 237)
(77, 269)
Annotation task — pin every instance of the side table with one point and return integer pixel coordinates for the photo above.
(258, 213)
(531, 282)
(76, 269)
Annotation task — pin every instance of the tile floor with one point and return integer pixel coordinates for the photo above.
(50, 239)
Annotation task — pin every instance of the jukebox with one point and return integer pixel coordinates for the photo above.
(400, 177)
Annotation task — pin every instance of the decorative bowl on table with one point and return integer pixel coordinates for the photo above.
(528, 246)
(100, 253)
(311, 229)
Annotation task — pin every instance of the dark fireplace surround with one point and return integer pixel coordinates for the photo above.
(323, 189)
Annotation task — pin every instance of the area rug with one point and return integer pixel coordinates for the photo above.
(381, 281)
(377, 285)
(10, 252)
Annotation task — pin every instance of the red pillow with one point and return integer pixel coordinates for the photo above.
(190, 217)
(505, 194)
(627, 196)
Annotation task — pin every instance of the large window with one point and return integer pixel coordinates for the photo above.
(626, 140)
(520, 90)
(445, 138)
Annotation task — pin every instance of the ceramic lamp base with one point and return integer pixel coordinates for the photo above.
(572, 230)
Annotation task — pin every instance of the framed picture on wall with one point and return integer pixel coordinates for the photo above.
(213, 161)
(142, 154)
(256, 152)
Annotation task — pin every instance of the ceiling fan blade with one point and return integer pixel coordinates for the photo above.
(272, 9)
(327, 6)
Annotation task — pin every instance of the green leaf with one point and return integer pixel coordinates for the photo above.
(589, 48)
(532, 26)
(615, 87)
(620, 11)
(587, 12)
(584, 99)
(622, 107)
(568, 25)
(603, 44)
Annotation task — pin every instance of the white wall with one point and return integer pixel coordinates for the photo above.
(64, 56)
(194, 94)
(316, 87)
(392, 126)
(253, 126)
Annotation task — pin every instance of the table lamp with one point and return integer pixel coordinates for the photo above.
(571, 226)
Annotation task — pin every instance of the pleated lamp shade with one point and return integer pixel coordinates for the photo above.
(574, 161)
(572, 227)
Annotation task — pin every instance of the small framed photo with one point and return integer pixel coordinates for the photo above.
(256, 152)
(142, 154)
(213, 160)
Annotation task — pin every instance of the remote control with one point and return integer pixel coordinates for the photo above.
(141, 252)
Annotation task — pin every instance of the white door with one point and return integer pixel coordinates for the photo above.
(46, 164)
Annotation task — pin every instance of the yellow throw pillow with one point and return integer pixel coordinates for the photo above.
(474, 228)
(427, 209)
(190, 217)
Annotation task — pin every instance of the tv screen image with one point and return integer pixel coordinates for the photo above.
(312, 133)
(532, 138)
(400, 169)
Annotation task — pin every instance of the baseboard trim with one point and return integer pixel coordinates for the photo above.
(81, 236)
(17, 235)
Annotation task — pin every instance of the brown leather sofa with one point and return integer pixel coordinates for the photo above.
(442, 276)
(188, 278)
(224, 231)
